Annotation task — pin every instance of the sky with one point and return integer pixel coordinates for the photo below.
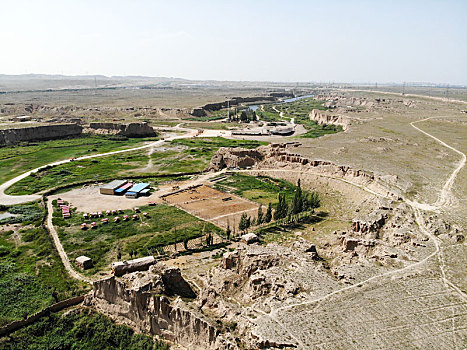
(351, 41)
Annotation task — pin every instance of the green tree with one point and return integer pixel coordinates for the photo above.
(244, 117)
(268, 216)
(209, 239)
(311, 201)
(228, 232)
(297, 202)
(282, 208)
(243, 225)
(260, 216)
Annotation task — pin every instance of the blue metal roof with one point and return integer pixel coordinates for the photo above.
(139, 187)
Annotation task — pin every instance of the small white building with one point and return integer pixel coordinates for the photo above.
(83, 262)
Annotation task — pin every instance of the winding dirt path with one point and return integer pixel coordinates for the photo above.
(60, 250)
(445, 195)
(442, 202)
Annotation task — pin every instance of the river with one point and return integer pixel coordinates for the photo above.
(293, 99)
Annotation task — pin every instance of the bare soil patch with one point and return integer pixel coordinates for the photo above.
(88, 199)
(218, 207)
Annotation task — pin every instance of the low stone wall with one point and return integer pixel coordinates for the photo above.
(17, 325)
(39, 133)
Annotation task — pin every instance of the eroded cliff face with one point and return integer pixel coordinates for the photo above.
(278, 156)
(324, 118)
(129, 130)
(150, 301)
(39, 133)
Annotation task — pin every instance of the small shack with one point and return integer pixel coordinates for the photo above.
(112, 186)
(83, 262)
(138, 190)
(120, 268)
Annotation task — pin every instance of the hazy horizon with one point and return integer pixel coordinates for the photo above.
(272, 41)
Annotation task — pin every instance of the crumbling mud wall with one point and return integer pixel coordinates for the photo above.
(324, 118)
(150, 302)
(277, 156)
(129, 130)
(234, 101)
(39, 133)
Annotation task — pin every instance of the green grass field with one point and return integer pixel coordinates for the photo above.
(80, 329)
(197, 153)
(30, 270)
(184, 155)
(260, 189)
(15, 160)
(80, 170)
(144, 236)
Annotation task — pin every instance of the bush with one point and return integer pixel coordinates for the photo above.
(80, 329)
(4, 250)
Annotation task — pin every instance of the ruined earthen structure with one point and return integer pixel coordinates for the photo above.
(128, 130)
(39, 133)
(277, 156)
(149, 301)
(326, 118)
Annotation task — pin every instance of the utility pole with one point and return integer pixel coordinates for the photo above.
(228, 110)
(403, 89)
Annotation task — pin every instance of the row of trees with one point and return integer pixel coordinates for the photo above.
(302, 202)
(244, 116)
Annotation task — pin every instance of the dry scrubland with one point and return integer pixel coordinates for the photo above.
(384, 142)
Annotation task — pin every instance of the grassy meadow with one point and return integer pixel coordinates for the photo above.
(260, 189)
(184, 155)
(17, 159)
(144, 236)
(30, 270)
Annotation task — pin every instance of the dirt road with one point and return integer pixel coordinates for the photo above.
(442, 202)
(10, 200)
(60, 250)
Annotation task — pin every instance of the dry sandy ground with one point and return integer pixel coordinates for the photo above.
(88, 199)
(207, 203)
